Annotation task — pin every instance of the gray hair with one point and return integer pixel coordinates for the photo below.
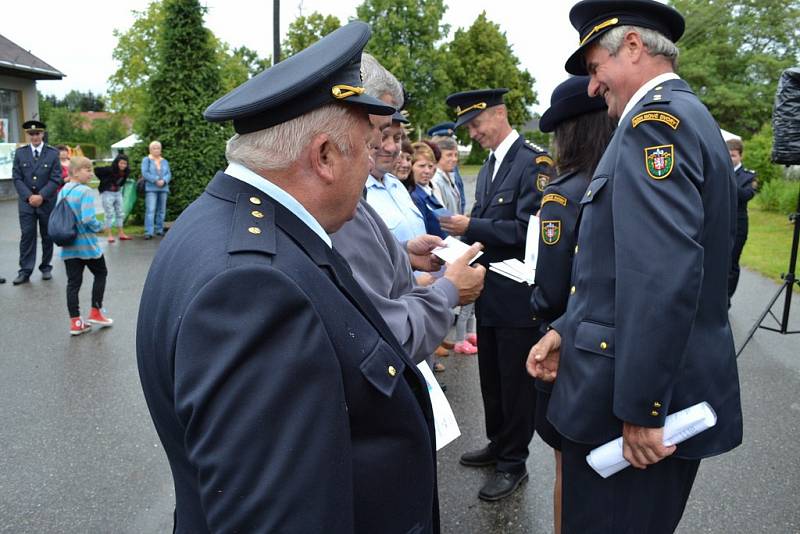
(445, 143)
(378, 81)
(277, 147)
(656, 43)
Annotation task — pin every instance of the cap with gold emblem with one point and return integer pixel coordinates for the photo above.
(469, 104)
(326, 72)
(34, 126)
(593, 18)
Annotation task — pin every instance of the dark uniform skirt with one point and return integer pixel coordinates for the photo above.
(546, 431)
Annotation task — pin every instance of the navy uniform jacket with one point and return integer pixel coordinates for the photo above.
(746, 192)
(41, 177)
(283, 403)
(499, 220)
(646, 330)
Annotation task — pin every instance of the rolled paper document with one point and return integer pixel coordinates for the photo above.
(678, 427)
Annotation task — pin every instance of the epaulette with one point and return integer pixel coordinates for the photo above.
(534, 146)
(751, 171)
(658, 95)
(253, 228)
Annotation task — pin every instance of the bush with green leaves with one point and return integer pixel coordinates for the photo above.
(778, 195)
(757, 156)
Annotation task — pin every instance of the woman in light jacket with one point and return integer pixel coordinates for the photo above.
(157, 176)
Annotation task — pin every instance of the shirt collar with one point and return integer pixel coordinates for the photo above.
(644, 89)
(389, 181)
(240, 172)
(737, 167)
(503, 147)
(39, 148)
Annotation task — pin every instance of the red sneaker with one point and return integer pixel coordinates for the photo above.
(78, 326)
(473, 338)
(125, 238)
(465, 347)
(96, 317)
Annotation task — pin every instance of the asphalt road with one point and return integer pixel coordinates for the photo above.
(79, 454)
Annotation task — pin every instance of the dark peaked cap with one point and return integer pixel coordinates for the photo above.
(326, 72)
(33, 126)
(570, 99)
(593, 18)
(469, 104)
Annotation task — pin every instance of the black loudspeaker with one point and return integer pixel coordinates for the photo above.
(786, 119)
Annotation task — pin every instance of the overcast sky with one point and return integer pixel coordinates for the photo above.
(76, 37)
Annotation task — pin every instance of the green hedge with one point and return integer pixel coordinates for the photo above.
(778, 195)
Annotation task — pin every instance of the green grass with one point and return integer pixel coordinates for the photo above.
(769, 243)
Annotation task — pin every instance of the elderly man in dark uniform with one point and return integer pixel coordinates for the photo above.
(646, 330)
(508, 192)
(37, 175)
(283, 401)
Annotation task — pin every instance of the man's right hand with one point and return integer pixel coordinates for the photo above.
(544, 356)
(468, 280)
(35, 200)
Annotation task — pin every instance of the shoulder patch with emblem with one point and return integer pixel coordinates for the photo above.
(547, 160)
(551, 232)
(541, 181)
(554, 197)
(659, 116)
(659, 161)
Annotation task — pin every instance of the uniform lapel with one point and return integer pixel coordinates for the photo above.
(482, 187)
(505, 166)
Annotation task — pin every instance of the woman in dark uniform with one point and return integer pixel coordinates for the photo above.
(582, 131)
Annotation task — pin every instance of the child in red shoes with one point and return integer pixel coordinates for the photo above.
(85, 250)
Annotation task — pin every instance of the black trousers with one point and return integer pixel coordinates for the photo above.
(75, 279)
(509, 397)
(633, 501)
(27, 243)
(738, 246)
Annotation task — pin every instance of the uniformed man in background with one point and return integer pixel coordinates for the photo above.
(508, 191)
(37, 175)
(646, 330)
(746, 187)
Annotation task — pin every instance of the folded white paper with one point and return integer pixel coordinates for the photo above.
(453, 249)
(444, 420)
(532, 242)
(515, 270)
(679, 426)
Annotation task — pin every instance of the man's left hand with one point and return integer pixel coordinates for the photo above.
(419, 253)
(643, 446)
(35, 200)
(454, 224)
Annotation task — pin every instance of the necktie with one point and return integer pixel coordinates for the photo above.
(35, 154)
(489, 174)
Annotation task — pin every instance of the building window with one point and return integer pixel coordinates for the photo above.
(9, 116)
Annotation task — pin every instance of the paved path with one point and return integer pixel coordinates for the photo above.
(78, 452)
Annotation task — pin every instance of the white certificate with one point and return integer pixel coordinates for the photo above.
(453, 249)
(444, 421)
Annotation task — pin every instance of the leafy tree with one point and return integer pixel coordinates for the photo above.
(305, 31)
(481, 57)
(137, 54)
(186, 81)
(404, 39)
(732, 54)
(65, 126)
(757, 156)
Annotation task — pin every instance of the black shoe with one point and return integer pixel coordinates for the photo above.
(2, 280)
(148, 236)
(479, 458)
(21, 278)
(501, 485)
(47, 275)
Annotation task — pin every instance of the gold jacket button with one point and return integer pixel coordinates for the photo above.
(576, 249)
(572, 290)
(257, 214)
(392, 371)
(255, 200)
(589, 193)
(654, 413)
(500, 200)
(656, 404)
(603, 345)
(254, 230)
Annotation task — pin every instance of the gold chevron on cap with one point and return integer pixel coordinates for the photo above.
(479, 105)
(344, 91)
(601, 26)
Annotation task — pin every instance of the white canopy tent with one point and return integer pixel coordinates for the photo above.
(129, 142)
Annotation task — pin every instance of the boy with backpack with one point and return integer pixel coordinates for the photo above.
(84, 251)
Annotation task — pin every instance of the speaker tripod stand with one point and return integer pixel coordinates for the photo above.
(789, 280)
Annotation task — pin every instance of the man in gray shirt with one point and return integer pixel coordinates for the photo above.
(418, 316)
